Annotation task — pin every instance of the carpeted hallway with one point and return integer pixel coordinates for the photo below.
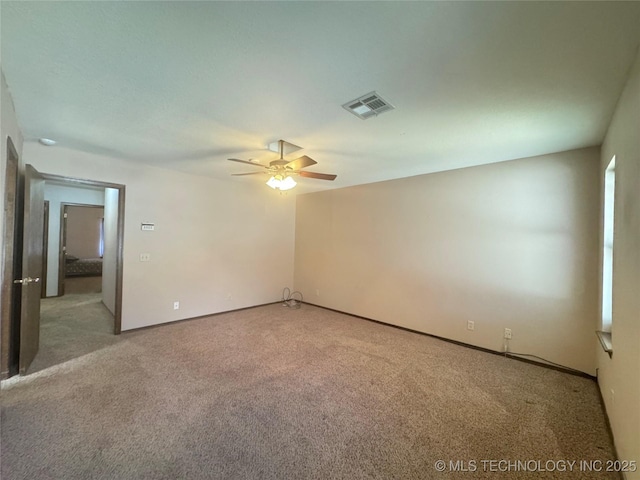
(276, 393)
(72, 326)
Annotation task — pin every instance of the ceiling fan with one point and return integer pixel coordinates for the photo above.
(282, 170)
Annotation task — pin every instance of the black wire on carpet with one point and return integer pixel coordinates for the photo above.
(289, 298)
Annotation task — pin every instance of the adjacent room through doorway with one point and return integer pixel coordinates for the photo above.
(82, 248)
(80, 306)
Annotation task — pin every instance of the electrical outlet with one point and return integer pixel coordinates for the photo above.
(317, 292)
(471, 325)
(145, 257)
(507, 333)
(229, 296)
(176, 305)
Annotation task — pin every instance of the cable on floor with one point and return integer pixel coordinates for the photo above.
(515, 355)
(291, 299)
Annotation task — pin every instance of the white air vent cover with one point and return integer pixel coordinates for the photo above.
(369, 105)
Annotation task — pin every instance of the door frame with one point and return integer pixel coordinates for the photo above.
(62, 244)
(45, 250)
(9, 307)
(117, 324)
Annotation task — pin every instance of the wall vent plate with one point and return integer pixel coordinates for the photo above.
(367, 106)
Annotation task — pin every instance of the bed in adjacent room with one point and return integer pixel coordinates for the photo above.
(83, 267)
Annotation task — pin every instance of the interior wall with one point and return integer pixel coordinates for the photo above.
(507, 245)
(58, 194)
(83, 231)
(619, 376)
(109, 258)
(217, 245)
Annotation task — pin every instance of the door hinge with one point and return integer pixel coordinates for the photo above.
(65, 215)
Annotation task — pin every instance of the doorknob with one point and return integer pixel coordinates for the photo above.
(27, 280)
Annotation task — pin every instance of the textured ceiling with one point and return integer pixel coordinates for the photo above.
(185, 85)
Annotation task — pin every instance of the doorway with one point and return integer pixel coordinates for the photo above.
(80, 312)
(13, 321)
(114, 205)
(81, 249)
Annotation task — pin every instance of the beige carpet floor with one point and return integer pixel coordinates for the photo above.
(276, 393)
(82, 285)
(71, 326)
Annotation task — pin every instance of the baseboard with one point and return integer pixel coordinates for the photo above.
(568, 370)
(608, 424)
(198, 317)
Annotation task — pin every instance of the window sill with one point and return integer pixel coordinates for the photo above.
(605, 341)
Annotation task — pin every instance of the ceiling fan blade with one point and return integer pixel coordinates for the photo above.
(319, 176)
(246, 161)
(249, 173)
(300, 162)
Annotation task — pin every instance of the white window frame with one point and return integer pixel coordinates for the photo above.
(607, 256)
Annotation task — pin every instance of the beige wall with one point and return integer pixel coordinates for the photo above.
(508, 245)
(83, 231)
(212, 240)
(619, 376)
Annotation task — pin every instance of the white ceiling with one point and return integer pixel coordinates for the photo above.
(185, 85)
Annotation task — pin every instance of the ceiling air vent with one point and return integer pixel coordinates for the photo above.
(369, 105)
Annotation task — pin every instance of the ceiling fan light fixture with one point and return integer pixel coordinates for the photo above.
(281, 169)
(287, 184)
(273, 182)
(277, 182)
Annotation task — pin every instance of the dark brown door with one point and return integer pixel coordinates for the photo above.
(12, 265)
(31, 267)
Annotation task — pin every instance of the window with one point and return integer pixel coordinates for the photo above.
(101, 239)
(607, 254)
